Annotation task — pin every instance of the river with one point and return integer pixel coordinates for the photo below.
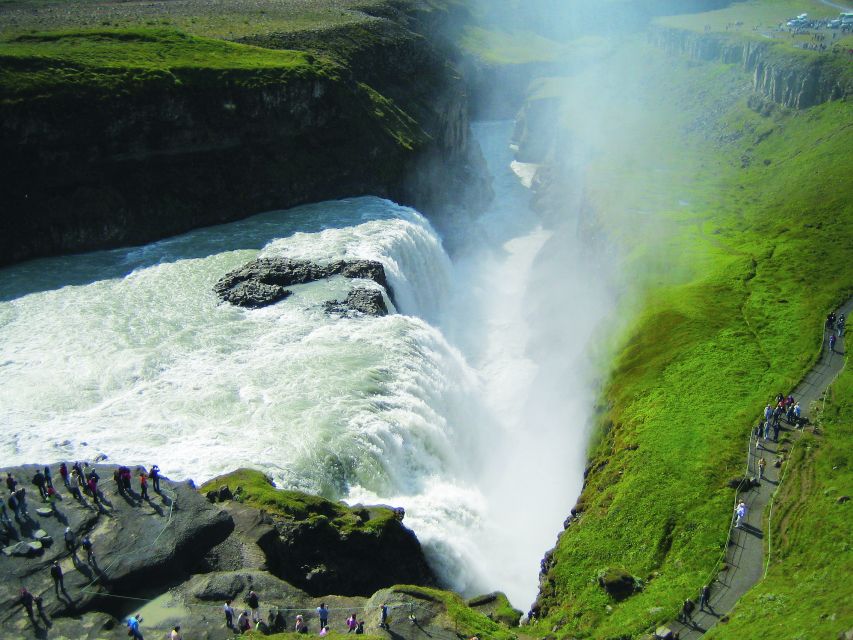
(445, 407)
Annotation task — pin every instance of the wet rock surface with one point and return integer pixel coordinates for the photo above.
(264, 281)
(367, 301)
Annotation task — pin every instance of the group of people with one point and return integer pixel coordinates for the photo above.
(784, 406)
(276, 622)
(835, 326)
(78, 479)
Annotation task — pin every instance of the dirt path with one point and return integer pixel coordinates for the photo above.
(745, 559)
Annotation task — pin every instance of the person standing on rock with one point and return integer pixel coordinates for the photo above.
(63, 473)
(11, 483)
(58, 579)
(740, 512)
(21, 495)
(155, 477)
(229, 614)
(133, 627)
(48, 478)
(70, 541)
(26, 599)
(254, 603)
(383, 616)
(39, 601)
(14, 506)
(323, 614)
(143, 486)
(88, 547)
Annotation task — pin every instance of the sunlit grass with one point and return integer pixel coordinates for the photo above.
(737, 229)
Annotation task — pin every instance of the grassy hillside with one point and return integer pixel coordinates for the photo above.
(807, 592)
(737, 229)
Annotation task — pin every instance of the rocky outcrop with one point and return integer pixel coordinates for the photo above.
(795, 81)
(264, 281)
(321, 546)
(367, 301)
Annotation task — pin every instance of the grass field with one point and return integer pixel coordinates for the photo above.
(737, 231)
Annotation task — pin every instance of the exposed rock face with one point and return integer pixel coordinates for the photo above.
(263, 281)
(792, 82)
(367, 301)
(394, 123)
(317, 545)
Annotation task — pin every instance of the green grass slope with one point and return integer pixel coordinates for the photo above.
(738, 231)
(807, 592)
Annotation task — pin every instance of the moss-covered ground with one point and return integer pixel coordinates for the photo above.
(255, 489)
(738, 230)
(107, 61)
(807, 592)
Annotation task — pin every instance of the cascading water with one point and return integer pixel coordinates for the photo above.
(129, 353)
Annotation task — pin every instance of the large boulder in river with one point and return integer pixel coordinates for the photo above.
(263, 281)
(326, 547)
(367, 301)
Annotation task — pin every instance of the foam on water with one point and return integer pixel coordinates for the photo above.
(130, 354)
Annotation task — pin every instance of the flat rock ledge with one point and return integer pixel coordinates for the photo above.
(264, 281)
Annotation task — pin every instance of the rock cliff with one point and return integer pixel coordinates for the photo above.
(383, 113)
(796, 81)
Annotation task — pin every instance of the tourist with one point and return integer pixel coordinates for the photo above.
(48, 478)
(155, 478)
(705, 598)
(11, 483)
(52, 497)
(14, 506)
(279, 624)
(92, 483)
(229, 614)
(87, 545)
(58, 579)
(243, 624)
(740, 512)
(776, 427)
(359, 630)
(176, 633)
(70, 541)
(352, 624)
(324, 631)
(761, 464)
(21, 495)
(832, 343)
(383, 616)
(323, 614)
(119, 481)
(840, 324)
(133, 627)
(40, 607)
(4, 515)
(143, 485)
(300, 624)
(686, 611)
(26, 600)
(63, 473)
(797, 412)
(254, 603)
